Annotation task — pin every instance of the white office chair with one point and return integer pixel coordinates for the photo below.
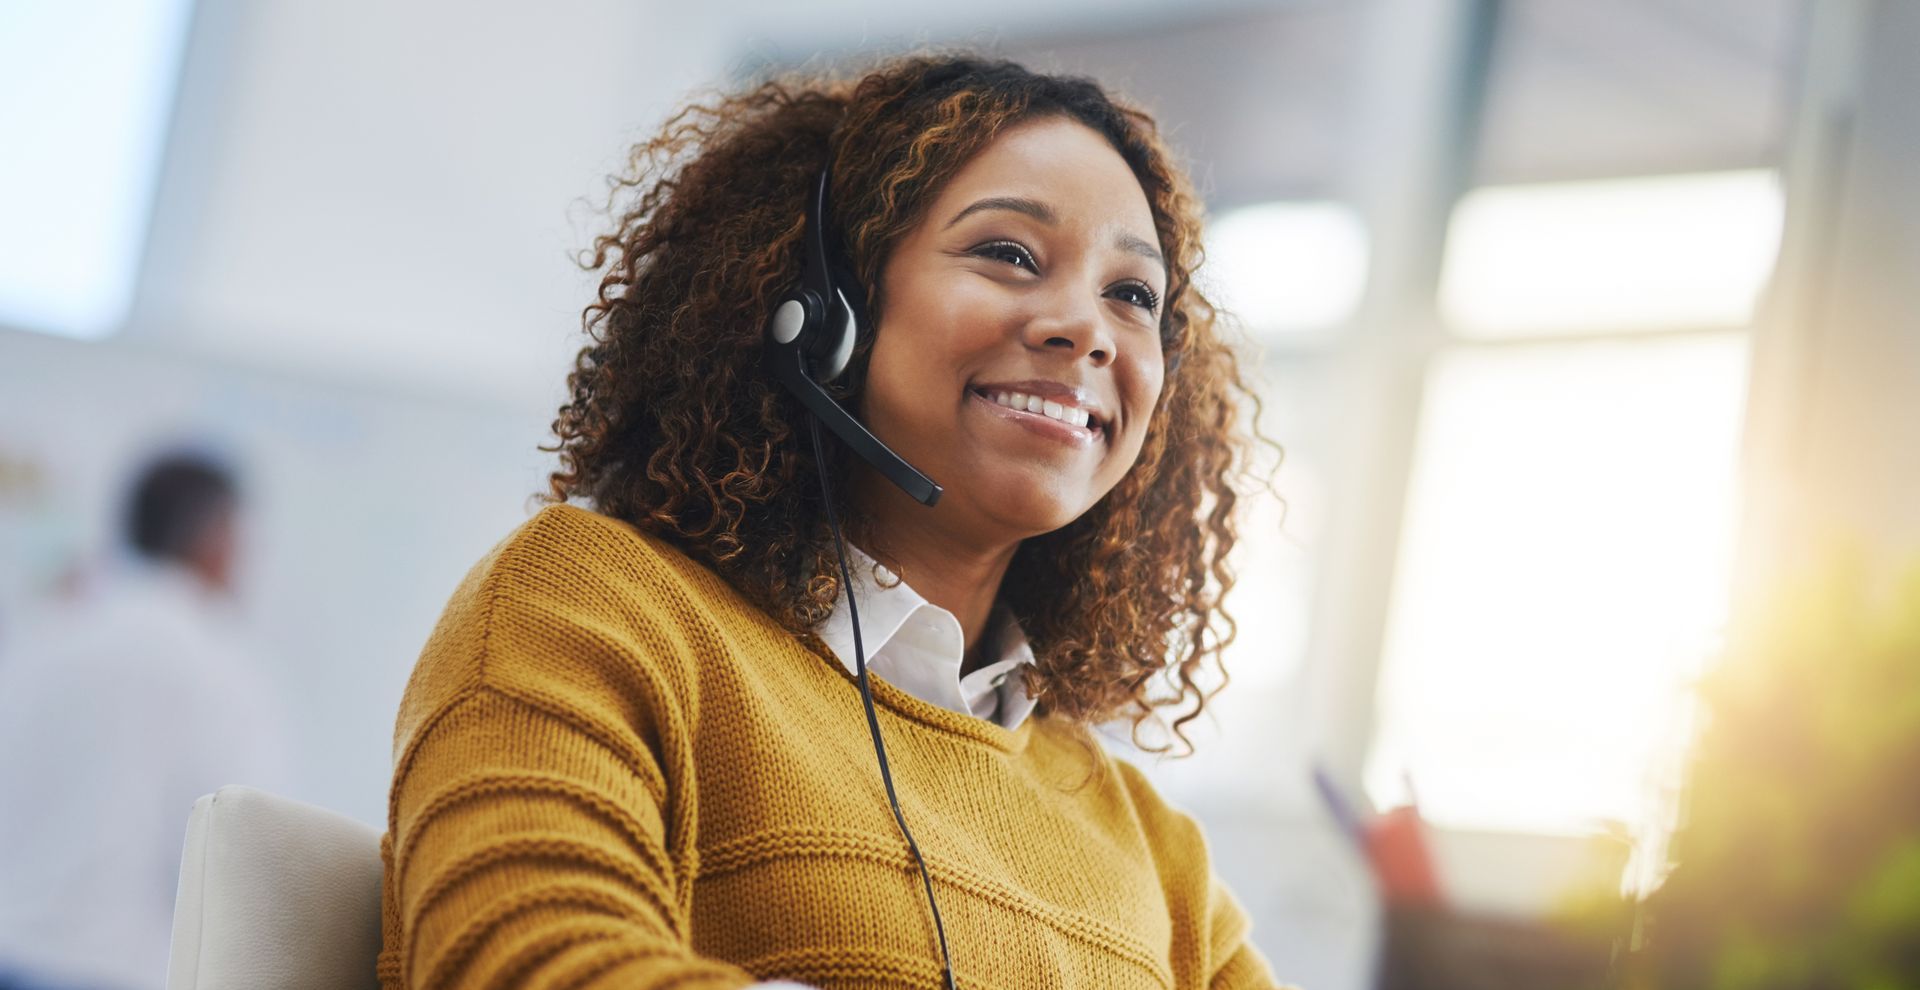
(275, 895)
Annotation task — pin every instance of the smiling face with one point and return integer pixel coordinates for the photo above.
(1017, 361)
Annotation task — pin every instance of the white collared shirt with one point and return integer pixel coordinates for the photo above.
(918, 647)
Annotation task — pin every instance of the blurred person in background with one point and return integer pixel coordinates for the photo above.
(118, 709)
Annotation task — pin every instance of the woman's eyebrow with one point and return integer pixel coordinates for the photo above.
(1135, 245)
(1044, 213)
(1018, 204)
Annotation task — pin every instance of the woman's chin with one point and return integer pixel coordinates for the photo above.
(1030, 509)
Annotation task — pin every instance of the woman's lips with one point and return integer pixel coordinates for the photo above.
(1079, 437)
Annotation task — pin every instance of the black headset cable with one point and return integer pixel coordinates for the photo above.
(866, 699)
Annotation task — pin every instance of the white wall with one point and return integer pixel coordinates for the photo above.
(391, 192)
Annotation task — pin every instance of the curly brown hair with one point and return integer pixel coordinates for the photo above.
(673, 426)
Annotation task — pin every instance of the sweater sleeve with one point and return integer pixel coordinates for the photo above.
(1220, 951)
(524, 856)
(1238, 965)
(538, 835)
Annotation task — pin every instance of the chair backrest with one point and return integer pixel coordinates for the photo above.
(275, 895)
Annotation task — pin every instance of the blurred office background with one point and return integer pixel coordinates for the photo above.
(1581, 325)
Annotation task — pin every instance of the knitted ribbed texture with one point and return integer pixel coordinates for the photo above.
(612, 771)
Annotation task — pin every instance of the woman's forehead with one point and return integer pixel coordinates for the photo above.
(1064, 171)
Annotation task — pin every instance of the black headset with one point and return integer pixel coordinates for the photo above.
(809, 342)
(810, 338)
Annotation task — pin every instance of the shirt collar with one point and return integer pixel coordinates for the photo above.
(917, 646)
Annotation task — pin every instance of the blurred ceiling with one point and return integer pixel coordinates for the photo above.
(1580, 89)
(389, 194)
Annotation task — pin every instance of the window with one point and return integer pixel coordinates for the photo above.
(1288, 269)
(1566, 545)
(1566, 530)
(86, 89)
(1562, 573)
(1617, 254)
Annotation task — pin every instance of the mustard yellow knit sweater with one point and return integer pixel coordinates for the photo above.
(612, 771)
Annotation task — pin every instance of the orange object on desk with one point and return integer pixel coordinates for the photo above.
(1402, 863)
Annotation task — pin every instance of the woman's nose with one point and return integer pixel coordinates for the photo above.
(1074, 327)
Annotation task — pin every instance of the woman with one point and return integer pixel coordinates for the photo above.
(634, 751)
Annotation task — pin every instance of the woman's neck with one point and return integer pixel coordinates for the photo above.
(959, 574)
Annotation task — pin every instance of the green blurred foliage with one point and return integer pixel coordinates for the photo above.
(1798, 863)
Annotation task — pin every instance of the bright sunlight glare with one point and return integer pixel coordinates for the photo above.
(1682, 251)
(1287, 268)
(1563, 574)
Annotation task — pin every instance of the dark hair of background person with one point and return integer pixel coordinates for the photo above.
(672, 425)
(173, 502)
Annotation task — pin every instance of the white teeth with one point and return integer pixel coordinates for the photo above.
(1071, 415)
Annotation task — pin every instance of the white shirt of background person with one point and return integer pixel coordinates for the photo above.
(118, 709)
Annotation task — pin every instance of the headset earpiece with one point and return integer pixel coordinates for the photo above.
(823, 335)
(814, 318)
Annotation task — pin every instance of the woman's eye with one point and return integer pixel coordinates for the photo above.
(1007, 251)
(1141, 296)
